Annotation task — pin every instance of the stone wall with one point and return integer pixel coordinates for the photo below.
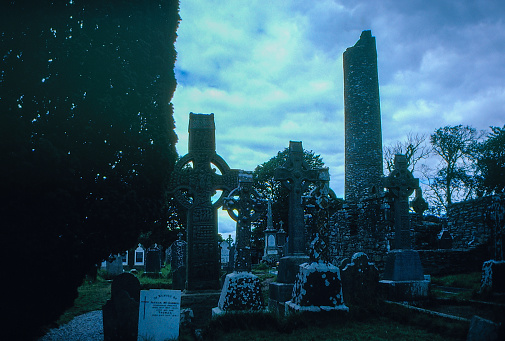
(448, 262)
(475, 221)
(362, 227)
(474, 225)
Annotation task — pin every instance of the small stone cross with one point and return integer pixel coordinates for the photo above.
(401, 184)
(296, 175)
(244, 205)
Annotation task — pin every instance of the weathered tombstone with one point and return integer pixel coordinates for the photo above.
(194, 181)
(281, 239)
(178, 263)
(444, 240)
(241, 289)
(121, 312)
(224, 248)
(360, 281)
(153, 261)
(493, 271)
(196, 178)
(271, 251)
(114, 266)
(403, 277)
(482, 329)
(159, 314)
(318, 285)
(295, 175)
(244, 205)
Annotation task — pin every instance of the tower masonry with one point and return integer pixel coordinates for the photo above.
(363, 134)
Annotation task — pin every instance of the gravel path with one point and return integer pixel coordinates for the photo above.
(86, 327)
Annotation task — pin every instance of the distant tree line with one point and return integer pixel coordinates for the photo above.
(88, 142)
(469, 163)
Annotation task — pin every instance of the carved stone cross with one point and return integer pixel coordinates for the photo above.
(401, 184)
(244, 205)
(296, 175)
(194, 181)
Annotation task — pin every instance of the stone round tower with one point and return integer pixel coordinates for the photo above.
(363, 134)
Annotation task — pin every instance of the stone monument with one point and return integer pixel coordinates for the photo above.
(121, 312)
(196, 178)
(363, 134)
(193, 182)
(241, 289)
(178, 251)
(271, 252)
(296, 175)
(318, 284)
(403, 278)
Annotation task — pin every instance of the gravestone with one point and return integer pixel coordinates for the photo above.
(114, 267)
(178, 263)
(493, 271)
(318, 284)
(121, 312)
(360, 281)
(295, 175)
(241, 289)
(153, 261)
(244, 205)
(317, 288)
(224, 247)
(403, 277)
(271, 251)
(159, 314)
(194, 181)
(444, 240)
(482, 329)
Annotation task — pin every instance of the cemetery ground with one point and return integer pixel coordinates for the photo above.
(455, 295)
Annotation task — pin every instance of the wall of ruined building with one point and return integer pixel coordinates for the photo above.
(362, 227)
(470, 222)
(448, 262)
(368, 227)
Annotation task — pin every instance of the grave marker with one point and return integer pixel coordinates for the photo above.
(159, 314)
(195, 179)
(244, 205)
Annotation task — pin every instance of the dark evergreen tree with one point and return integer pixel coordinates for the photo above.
(88, 141)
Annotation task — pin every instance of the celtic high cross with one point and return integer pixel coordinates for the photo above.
(194, 181)
(244, 205)
(296, 175)
(401, 184)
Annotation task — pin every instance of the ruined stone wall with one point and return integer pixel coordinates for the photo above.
(472, 222)
(362, 227)
(363, 134)
(448, 262)
(476, 227)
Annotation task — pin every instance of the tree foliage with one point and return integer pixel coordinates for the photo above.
(271, 189)
(491, 162)
(454, 178)
(87, 139)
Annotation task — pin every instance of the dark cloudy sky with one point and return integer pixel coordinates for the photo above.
(271, 72)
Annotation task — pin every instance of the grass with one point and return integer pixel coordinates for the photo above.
(265, 326)
(466, 281)
(383, 323)
(469, 281)
(92, 296)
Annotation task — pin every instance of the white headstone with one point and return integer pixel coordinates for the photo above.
(159, 314)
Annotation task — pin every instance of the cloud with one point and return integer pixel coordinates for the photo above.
(272, 71)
